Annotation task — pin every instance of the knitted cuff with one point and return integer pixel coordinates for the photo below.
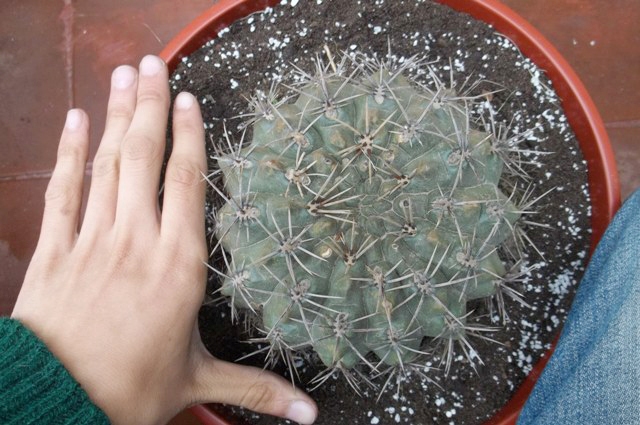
(35, 388)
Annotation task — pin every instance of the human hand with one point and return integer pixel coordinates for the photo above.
(117, 301)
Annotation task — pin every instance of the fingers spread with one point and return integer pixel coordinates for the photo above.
(184, 188)
(101, 206)
(63, 197)
(256, 389)
(142, 150)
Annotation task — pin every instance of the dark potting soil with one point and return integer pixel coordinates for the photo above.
(227, 71)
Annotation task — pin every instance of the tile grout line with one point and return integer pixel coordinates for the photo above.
(67, 16)
(623, 124)
(37, 175)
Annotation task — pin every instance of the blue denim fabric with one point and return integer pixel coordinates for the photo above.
(594, 375)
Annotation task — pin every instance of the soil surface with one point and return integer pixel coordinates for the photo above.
(227, 71)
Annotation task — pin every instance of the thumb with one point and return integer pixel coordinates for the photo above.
(262, 391)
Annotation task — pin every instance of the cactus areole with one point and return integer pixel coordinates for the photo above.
(366, 211)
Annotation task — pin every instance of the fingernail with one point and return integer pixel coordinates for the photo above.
(301, 412)
(184, 100)
(123, 77)
(74, 119)
(151, 65)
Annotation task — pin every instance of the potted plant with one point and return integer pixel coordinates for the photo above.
(579, 109)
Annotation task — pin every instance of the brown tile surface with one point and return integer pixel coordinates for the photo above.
(56, 55)
(59, 54)
(33, 85)
(20, 215)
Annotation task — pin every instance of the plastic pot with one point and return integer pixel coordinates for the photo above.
(578, 106)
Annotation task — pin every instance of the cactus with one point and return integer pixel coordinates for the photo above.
(365, 213)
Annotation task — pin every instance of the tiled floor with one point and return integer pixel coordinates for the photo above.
(59, 54)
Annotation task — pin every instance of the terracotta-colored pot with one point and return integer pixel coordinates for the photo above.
(579, 108)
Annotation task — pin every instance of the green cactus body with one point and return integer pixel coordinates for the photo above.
(363, 215)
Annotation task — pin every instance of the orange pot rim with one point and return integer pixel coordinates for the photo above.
(581, 113)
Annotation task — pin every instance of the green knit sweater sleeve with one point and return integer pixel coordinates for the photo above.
(35, 388)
